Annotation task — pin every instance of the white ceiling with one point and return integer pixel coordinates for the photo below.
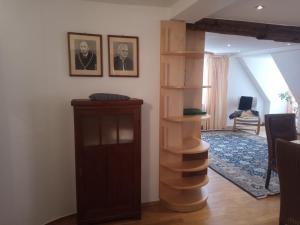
(284, 12)
(160, 3)
(217, 43)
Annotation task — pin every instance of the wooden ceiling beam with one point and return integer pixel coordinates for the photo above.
(260, 31)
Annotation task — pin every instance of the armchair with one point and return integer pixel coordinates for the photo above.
(245, 116)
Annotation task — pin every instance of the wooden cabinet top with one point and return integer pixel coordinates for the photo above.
(93, 103)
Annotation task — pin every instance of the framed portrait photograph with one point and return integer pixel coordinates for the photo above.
(85, 54)
(123, 56)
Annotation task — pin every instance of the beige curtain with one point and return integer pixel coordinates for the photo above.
(217, 68)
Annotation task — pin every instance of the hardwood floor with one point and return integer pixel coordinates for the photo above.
(227, 205)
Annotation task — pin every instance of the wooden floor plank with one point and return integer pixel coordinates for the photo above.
(227, 205)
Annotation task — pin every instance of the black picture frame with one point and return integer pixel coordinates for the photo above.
(123, 56)
(85, 54)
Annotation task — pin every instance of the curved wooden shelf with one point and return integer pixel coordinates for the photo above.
(186, 166)
(186, 183)
(194, 118)
(183, 201)
(200, 148)
(190, 142)
(198, 54)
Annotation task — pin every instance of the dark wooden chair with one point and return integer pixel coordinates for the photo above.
(288, 164)
(278, 126)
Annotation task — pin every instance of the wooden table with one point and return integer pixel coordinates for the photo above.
(296, 141)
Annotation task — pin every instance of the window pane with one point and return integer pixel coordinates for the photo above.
(90, 131)
(125, 129)
(109, 129)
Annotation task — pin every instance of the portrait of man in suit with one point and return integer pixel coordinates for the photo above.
(85, 58)
(123, 57)
(123, 60)
(85, 54)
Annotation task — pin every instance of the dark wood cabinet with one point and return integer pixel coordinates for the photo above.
(108, 159)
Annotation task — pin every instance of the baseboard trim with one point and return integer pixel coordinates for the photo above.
(61, 219)
(149, 204)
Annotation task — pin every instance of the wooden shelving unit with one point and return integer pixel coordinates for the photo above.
(183, 155)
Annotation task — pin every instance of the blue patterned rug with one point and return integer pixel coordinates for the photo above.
(242, 158)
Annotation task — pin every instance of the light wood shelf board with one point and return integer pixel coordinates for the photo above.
(186, 166)
(184, 53)
(203, 147)
(193, 118)
(186, 183)
(183, 87)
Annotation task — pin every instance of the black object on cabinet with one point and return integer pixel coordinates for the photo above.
(107, 159)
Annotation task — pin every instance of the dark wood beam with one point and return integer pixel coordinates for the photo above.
(258, 30)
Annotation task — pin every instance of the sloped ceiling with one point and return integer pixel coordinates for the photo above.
(234, 44)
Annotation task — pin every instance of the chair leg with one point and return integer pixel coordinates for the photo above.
(268, 178)
(234, 125)
(258, 127)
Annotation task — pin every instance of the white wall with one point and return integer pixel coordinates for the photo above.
(36, 132)
(239, 84)
(288, 64)
(266, 73)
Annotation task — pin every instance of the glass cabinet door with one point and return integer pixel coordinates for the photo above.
(109, 129)
(126, 128)
(90, 130)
